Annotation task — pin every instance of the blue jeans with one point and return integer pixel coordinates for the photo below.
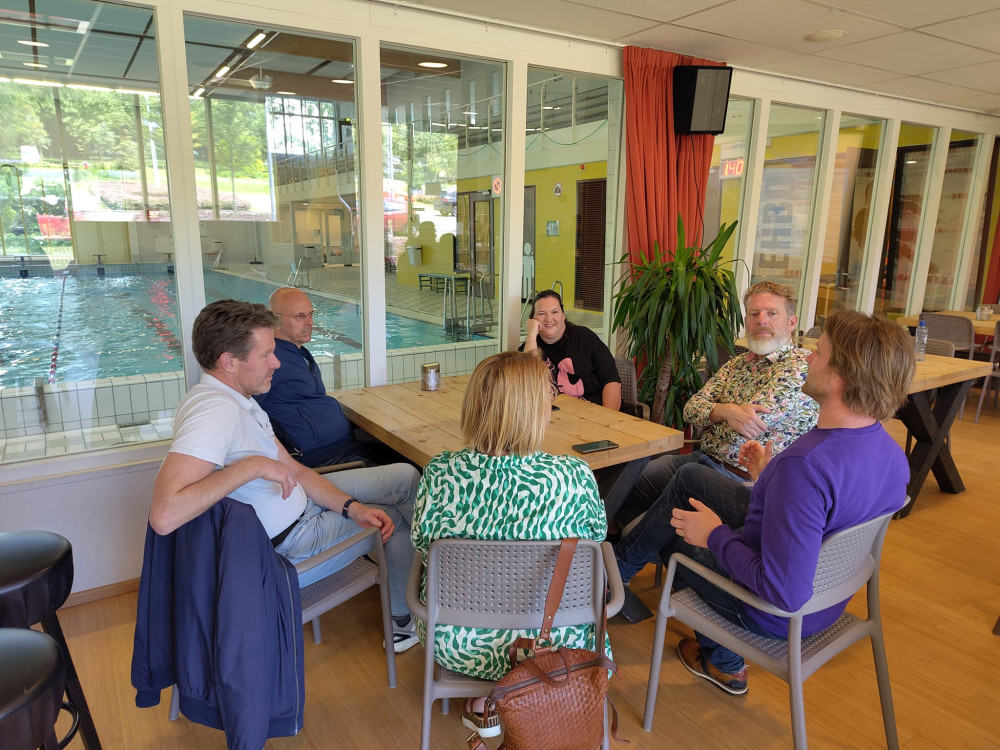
(656, 476)
(390, 488)
(721, 491)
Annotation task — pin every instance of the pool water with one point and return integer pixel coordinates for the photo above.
(69, 328)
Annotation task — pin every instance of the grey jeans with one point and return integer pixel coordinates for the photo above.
(390, 488)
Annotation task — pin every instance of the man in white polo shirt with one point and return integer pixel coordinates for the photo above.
(224, 447)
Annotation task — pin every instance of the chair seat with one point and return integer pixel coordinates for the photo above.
(328, 592)
(36, 576)
(31, 687)
(769, 653)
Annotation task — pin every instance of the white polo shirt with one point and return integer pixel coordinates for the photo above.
(218, 424)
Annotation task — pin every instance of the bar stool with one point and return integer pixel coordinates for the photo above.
(36, 576)
(31, 688)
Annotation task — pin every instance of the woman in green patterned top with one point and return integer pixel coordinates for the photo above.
(502, 486)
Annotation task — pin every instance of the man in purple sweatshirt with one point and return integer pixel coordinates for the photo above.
(845, 471)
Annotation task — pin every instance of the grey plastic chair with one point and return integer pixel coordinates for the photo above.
(960, 331)
(630, 398)
(991, 380)
(848, 560)
(502, 584)
(813, 333)
(940, 347)
(336, 588)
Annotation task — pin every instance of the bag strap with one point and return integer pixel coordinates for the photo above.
(567, 548)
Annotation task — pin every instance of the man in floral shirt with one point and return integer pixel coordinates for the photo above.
(755, 396)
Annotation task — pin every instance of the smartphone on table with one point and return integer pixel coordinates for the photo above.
(597, 445)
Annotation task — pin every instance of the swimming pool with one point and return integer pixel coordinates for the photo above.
(72, 328)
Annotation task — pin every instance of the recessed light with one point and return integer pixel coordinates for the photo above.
(34, 65)
(260, 37)
(830, 35)
(343, 80)
(29, 43)
(222, 71)
(198, 92)
(433, 65)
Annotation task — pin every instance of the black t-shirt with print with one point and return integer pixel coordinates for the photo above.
(580, 363)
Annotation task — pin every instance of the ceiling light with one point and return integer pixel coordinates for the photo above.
(34, 65)
(137, 92)
(830, 35)
(433, 65)
(84, 87)
(343, 80)
(258, 38)
(260, 81)
(29, 43)
(470, 112)
(222, 71)
(198, 92)
(285, 93)
(68, 61)
(30, 82)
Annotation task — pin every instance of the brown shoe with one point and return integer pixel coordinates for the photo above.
(695, 662)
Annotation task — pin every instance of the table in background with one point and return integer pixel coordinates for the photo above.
(420, 424)
(930, 423)
(981, 327)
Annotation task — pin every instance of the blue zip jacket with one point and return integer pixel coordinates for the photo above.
(219, 615)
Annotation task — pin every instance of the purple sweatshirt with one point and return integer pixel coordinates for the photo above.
(826, 481)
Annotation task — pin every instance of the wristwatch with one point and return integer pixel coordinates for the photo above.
(347, 504)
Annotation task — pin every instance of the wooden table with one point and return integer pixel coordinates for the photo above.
(420, 424)
(981, 327)
(930, 423)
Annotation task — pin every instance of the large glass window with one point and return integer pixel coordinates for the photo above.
(90, 350)
(727, 175)
(950, 227)
(571, 163)
(787, 193)
(273, 114)
(443, 152)
(847, 228)
(909, 190)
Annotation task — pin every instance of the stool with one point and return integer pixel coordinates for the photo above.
(31, 688)
(36, 576)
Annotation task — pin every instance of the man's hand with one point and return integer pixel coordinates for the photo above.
(754, 457)
(694, 526)
(742, 418)
(364, 516)
(274, 471)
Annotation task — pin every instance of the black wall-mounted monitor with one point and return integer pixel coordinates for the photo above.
(701, 95)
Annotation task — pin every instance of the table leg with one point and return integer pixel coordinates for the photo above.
(930, 427)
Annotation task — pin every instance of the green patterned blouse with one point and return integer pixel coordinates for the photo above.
(469, 495)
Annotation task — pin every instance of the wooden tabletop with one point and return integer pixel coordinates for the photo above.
(981, 327)
(933, 372)
(420, 424)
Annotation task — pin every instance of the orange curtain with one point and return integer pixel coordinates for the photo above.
(666, 174)
(991, 289)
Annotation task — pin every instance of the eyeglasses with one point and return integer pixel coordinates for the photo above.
(300, 317)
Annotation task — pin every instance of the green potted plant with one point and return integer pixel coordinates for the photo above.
(674, 313)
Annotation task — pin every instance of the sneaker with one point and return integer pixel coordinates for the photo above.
(404, 637)
(485, 727)
(695, 662)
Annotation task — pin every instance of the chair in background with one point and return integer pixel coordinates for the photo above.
(954, 328)
(502, 584)
(991, 380)
(813, 333)
(630, 397)
(848, 560)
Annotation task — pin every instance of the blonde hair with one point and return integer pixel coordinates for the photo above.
(875, 359)
(778, 290)
(507, 403)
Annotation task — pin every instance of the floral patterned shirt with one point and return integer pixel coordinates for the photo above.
(775, 381)
(469, 495)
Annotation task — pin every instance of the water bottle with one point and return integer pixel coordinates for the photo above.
(920, 341)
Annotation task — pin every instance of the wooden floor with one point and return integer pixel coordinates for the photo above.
(940, 595)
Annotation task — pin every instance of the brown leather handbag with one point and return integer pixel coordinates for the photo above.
(553, 700)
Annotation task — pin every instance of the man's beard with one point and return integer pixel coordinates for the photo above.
(764, 346)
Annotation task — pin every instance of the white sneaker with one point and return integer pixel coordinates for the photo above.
(404, 637)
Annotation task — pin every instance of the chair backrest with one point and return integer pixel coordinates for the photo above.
(814, 333)
(954, 328)
(940, 347)
(847, 560)
(995, 308)
(626, 371)
(503, 584)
